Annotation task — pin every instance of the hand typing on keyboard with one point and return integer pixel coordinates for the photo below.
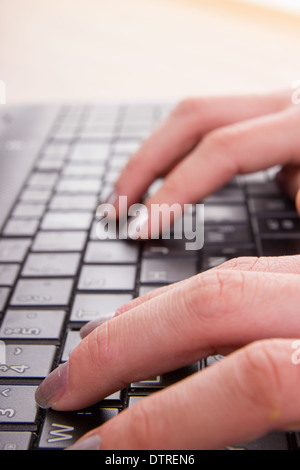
(245, 309)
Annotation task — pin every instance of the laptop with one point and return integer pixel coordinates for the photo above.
(56, 164)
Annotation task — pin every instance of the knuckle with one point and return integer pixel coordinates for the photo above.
(221, 293)
(224, 138)
(295, 263)
(248, 263)
(223, 144)
(259, 374)
(187, 106)
(171, 186)
(131, 164)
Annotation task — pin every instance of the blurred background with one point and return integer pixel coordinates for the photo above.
(66, 50)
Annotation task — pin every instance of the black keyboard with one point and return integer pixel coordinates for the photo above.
(56, 275)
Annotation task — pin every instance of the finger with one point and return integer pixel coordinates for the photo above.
(245, 147)
(248, 394)
(285, 264)
(218, 311)
(186, 125)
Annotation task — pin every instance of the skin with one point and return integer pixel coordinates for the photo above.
(247, 308)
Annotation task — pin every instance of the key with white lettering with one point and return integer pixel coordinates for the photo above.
(27, 361)
(42, 292)
(90, 152)
(61, 430)
(17, 405)
(101, 278)
(166, 271)
(12, 250)
(67, 221)
(8, 274)
(32, 324)
(59, 241)
(15, 440)
(51, 264)
(21, 227)
(89, 307)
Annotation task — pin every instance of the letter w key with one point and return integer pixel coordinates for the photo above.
(60, 433)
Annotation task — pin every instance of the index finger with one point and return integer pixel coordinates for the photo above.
(217, 312)
(181, 131)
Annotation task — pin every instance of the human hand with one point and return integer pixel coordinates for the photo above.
(236, 308)
(205, 142)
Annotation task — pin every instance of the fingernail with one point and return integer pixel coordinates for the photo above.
(90, 443)
(53, 387)
(92, 325)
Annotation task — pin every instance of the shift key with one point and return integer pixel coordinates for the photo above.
(42, 292)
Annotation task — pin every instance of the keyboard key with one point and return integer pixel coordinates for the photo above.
(21, 227)
(278, 226)
(56, 150)
(167, 379)
(8, 274)
(23, 210)
(227, 234)
(32, 324)
(78, 185)
(14, 250)
(67, 221)
(46, 164)
(111, 252)
(220, 214)
(167, 248)
(41, 180)
(27, 361)
(225, 196)
(89, 307)
(107, 278)
(126, 146)
(84, 170)
(87, 202)
(36, 195)
(267, 189)
(4, 293)
(167, 271)
(42, 292)
(15, 440)
(113, 400)
(133, 400)
(271, 441)
(17, 406)
(39, 265)
(61, 430)
(280, 247)
(214, 256)
(72, 341)
(59, 241)
(145, 289)
(93, 152)
(272, 205)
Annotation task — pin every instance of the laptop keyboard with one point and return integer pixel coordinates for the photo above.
(56, 275)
